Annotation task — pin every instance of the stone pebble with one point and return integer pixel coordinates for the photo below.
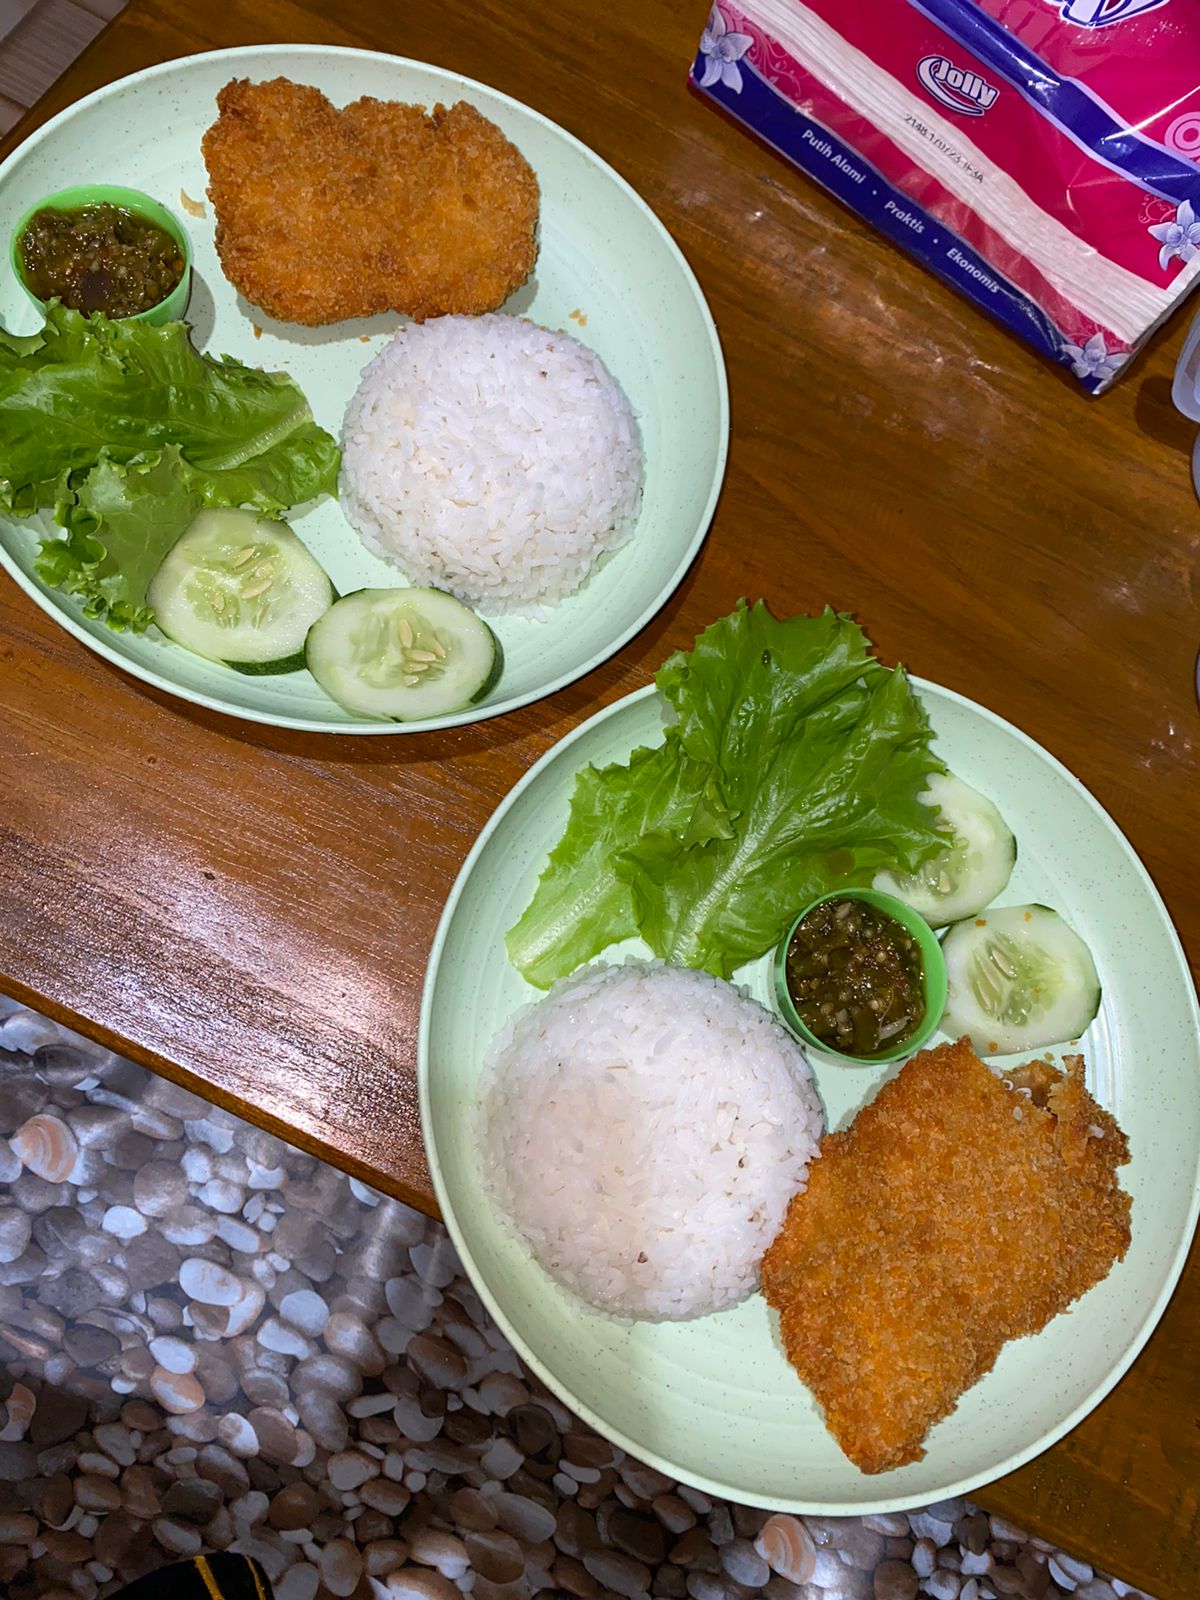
(341, 1567)
(284, 1339)
(96, 1493)
(176, 1392)
(178, 1538)
(15, 1232)
(385, 1495)
(209, 1282)
(300, 1582)
(432, 1547)
(306, 1310)
(381, 1556)
(276, 1436)
(895, 1580)
(45, 1145)
(350, 1469)
(419, 1583)
(324, 1419)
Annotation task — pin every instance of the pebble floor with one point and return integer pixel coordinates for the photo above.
(210, 1341)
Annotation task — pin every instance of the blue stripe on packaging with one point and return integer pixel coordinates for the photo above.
(841, 170)
(1077, 113)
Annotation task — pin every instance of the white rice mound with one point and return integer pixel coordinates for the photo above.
(491, 458)
(643, 1127)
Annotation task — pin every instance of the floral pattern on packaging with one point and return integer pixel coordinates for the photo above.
(1043, 156)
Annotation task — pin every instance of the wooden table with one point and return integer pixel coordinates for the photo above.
(249, 911)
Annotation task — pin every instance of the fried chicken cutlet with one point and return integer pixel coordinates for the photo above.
(325, 214)
(958, 1211)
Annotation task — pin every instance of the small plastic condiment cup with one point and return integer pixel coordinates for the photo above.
(96, 194)
(933, 973)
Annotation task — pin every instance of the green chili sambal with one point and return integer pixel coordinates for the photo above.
(99, 257)
(856, 977)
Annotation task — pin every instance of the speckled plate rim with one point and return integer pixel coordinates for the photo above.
(487, 710)
(678, 1470)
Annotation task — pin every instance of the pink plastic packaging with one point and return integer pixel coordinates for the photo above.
(1040, 155)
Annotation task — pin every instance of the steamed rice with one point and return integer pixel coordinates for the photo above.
(491, 458)
(644, 1127)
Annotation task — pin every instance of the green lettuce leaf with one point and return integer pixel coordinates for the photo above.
(14, 345)
(119, 525)
(793, 767)
(583, 903)
(87, 398)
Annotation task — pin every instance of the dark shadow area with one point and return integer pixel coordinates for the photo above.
(296, 333)
(1158, 419)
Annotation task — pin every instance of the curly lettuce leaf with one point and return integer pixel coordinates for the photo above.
(794, 767)
(14, 345)
(582, 903)
(740, 691)
(828, 807)
(99, 418)
(126, 389)
(119, 525)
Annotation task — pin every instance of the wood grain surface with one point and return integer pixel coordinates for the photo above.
(250, 911)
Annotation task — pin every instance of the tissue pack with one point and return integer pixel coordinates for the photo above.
(1042, 156)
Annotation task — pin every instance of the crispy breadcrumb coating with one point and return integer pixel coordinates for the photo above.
(959, 1210)
(325, 214)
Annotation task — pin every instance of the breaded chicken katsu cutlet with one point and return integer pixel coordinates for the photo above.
(959, 1210)
(325, 214)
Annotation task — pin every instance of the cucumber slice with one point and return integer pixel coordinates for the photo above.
(1020, 978)
(240, 589)
(403, 654)
(975, 866)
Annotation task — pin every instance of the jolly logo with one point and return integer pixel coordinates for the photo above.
(1102, 13)
(956, 87)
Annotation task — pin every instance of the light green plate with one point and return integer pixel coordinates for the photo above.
(604, 257)
(714, 1401)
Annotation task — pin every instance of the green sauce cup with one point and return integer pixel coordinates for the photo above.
(92, 194)
(933, 974)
